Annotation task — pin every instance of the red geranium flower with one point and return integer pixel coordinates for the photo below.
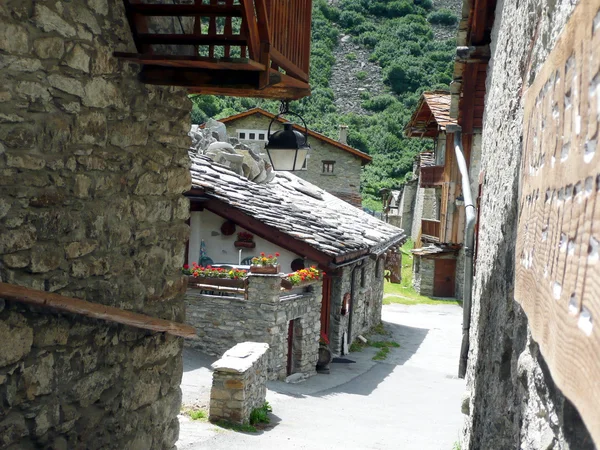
(277, 254)
(186, 266)
(262, 253)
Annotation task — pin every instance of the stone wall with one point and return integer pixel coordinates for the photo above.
(367, 303)
(423, 278)
(263, 317)
(407, 206)
(344, 181)
(513, 400)
(239, 382)
(92, 167)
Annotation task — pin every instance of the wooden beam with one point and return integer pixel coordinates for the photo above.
(252, 27)
(191, 39)
(138, 24)
(148, 9)
(468, 99)
(187, 77)
(193, 62)
(289, 67)
(267, 232)
(94, 310)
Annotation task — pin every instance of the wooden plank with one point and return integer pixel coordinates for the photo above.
(252, 28)
(138, 24)
(197, 9)
(468, 100)
(93, 310)
(191, 62)
(557, 275)
(190, 39)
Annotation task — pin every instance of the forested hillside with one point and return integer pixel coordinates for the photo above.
(397, 36)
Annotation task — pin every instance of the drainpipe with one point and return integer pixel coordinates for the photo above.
(471, 217)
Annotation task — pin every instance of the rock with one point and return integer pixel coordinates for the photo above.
(179, 180)
(55, 332)
(82, 186)
(66, 84)
(33, 91)
(45, 258)
(465, 406)
(78, 59)
(4, 207)
(15, 240)
(91, 129)
(12, 429)
(17, 260)
(77, 249)
(18, 64)
(127, 134)
(23, 138)
(16, 338)
(13, 38)
(296, 378)
(150, 184)
(38, 379)
(49, 48)
(99, 6)
(49, 21)
(100, 93)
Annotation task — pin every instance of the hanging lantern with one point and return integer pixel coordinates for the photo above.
(287, 148)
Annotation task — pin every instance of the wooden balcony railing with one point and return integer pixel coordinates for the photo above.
(432, 176)
(251, 48)
(430, 229)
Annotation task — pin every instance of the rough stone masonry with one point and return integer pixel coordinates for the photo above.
(92, 167)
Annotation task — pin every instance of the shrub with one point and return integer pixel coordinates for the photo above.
(379, 103)
(442, 17)
(400, 9)
(361, 75)
(350, 19)
(351, 56)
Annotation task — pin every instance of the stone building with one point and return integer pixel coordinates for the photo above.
(518, 397)
(307, 223)
(439, 251)
(92, 167)
(332, 165)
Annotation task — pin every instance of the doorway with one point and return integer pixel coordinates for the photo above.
(444, 278)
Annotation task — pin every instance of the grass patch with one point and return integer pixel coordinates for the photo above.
(195, 414)
(261, 415)
(456, 446)
(356, 346)
(385, 344)
(235, 426)
(404, 293)
(381, 354)
(380, 329)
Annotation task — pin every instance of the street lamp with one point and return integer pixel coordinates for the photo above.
(287, 148)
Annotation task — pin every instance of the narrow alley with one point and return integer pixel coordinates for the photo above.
(409, 401)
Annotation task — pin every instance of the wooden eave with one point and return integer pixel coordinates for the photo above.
(273, 49)
(363, 156)
(469, 79)
(431, 116)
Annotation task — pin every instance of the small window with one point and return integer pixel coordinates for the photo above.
(242, 135)
(328, 166)
(252, 136)
(261, 136)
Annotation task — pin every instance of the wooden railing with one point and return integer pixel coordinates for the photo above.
(430, 229)
(432, 176)
(289, 26)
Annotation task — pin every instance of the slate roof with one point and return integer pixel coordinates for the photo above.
(431, 116)
(298, 209)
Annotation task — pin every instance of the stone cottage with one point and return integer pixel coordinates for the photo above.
(332, 165)
(439, 252)
(531, 385)
(309, 225)
(93, 164)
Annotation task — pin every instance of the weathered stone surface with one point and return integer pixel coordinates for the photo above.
(77, 249)
(45, 258)
(17, 337)
(127, 135)
(13, 38)
(100, 93)
(66, 84)
(12, 428)
(18, 64)
(49, 21)
(39, 377)
(49, 47)
(17, 260)
(91, 129)
(15, 240)
(99, 6)
(82, 186)
(78, 59)
(33, 91)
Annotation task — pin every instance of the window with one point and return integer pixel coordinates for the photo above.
(252, 135)
(328, 166)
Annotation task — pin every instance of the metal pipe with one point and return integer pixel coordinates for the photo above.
(471, 218)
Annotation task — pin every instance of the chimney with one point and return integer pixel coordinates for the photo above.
(344, 134)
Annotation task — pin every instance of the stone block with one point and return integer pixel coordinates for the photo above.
(234, 384)
(49, 47)
(91, 129)
(16, 338)
(45, 258)
(49, 21)
(13, 38)
(38, 379)
(15, 240)
(12, 428)
(66, 84)
(100, 93)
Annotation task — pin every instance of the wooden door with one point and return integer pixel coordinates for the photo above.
(444, 278)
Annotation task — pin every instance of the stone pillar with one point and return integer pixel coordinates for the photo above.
(264, 288)
(239, 382)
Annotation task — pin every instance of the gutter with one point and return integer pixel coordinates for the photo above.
(471, 218)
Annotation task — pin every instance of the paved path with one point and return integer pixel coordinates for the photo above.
(411, 401)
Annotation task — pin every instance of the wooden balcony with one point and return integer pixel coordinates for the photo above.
(243, 48)
(432, 176)
(430, 230)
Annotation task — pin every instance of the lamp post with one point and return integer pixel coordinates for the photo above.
(287, 148)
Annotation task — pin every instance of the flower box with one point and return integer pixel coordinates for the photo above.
(224, 282)
(244, 244)
(287, 284)
(266, 269)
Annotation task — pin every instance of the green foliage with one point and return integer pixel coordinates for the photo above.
(235, 426)
(198, 415)
(400, 39)
(351, 56)
(442, 17)
(261, 415)
(361, 75)
(356, 346)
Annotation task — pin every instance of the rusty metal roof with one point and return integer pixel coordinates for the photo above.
(431, 116)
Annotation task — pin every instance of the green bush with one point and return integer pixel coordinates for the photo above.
(350, 19)
(361, 75)
(379, 103)
(351, 56)
(442, 17)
